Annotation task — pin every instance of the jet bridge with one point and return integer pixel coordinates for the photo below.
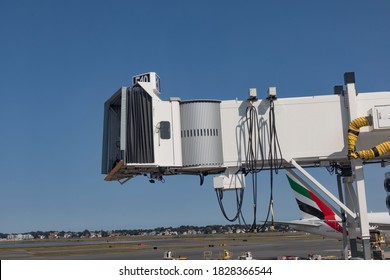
(145, 134)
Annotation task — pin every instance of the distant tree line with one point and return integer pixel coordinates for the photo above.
(209, 229)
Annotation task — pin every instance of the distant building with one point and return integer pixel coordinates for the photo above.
(54, 235)
(95, 234)
(16, 237)
(67, 235)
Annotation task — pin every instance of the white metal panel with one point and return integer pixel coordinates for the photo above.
(233, 136)
(163, 147)
(150, 89)
(296, 120)
(309, 128)
(176, 131)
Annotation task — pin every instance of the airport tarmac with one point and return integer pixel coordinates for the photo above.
(262, 245)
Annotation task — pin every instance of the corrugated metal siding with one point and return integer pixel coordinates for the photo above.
(201, 133)
(139, 148)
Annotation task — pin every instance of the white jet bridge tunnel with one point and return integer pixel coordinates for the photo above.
(146, 135)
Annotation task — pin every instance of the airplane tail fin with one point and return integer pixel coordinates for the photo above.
(310, 204)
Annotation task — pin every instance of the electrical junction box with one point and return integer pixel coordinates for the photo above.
(381, 117)
(229, 182)
(252, 94)
(271, 92)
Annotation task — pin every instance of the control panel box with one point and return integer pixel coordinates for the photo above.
(229, 182)
(381, 117)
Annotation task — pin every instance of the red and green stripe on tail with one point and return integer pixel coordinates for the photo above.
(312, 206)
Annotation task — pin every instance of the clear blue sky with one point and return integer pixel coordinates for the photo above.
(60, 61)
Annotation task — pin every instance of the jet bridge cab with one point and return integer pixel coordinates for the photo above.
(139, 130)
(145, 135)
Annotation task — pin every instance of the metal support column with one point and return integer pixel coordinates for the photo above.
(344, 220)
(357, 169)
(362, 206)
(350, 198)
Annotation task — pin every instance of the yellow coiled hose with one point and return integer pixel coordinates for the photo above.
(354, 130)
(353, 133)
(376, 151)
